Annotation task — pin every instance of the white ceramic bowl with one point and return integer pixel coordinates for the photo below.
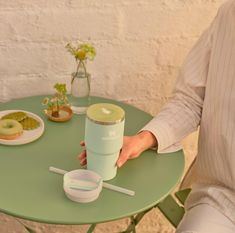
(91, 181)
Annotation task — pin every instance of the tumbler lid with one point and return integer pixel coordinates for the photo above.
(105, 113)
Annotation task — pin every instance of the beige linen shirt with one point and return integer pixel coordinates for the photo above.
(205, 96)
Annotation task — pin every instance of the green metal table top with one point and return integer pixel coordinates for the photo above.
(28, 190)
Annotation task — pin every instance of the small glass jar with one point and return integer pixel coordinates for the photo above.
(80, 91)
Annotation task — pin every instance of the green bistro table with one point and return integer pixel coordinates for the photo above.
(30, 191)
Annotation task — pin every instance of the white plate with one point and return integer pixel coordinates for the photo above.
(28, 135)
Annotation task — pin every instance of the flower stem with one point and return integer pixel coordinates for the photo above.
(86, 75)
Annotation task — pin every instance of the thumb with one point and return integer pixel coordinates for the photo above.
(123, 157)
(82, 143)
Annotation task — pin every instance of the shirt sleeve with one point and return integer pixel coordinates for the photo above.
(182, 114)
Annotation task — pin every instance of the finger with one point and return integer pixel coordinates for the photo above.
(82, 143)
(133, 156)
(123, 157)
(82, 155)
(83, 162)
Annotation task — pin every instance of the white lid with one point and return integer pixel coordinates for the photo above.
(82, 185)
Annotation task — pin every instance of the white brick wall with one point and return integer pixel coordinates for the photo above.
(141, 45)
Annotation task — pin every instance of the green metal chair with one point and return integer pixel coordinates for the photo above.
(170, 208)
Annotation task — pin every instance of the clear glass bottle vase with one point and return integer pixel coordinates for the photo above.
(80, 90)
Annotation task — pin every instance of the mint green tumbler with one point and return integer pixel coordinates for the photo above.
(104, 131)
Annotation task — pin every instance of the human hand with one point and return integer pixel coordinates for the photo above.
(132, 147)
(129, 150)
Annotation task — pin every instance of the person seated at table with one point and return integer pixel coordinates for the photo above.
(204, 95)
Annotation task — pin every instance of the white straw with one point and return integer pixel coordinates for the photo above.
(118, 189)
(105, 185)
(57, 170)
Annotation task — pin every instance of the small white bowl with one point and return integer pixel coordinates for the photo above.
(82, 185)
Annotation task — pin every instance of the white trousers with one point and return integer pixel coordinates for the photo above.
(205, 219)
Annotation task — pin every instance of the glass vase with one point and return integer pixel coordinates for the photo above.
(80, 92)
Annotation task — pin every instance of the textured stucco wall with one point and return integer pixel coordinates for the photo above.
(141, 45)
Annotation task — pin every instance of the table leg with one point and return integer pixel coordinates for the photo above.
(91, 228)
(28, 229)
(134, 221)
